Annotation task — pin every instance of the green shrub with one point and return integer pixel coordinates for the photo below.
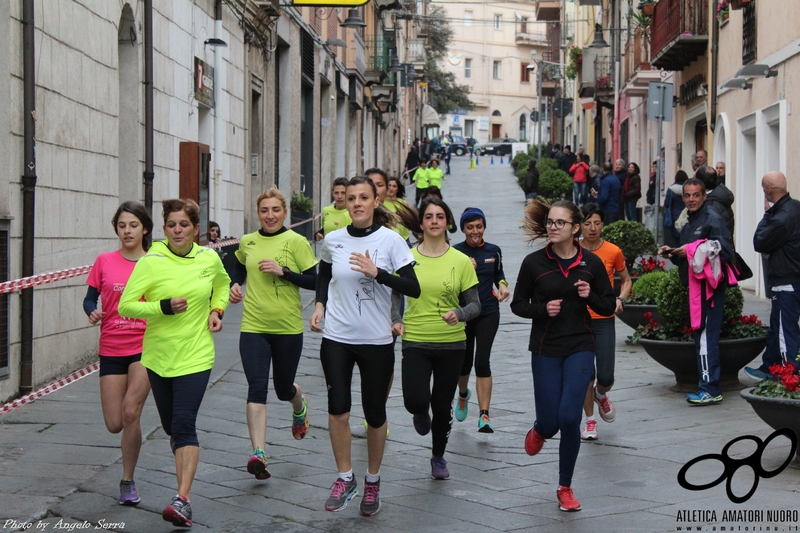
(554, 184)
(545, 164)
(521, 174)
(673, 304)
(301, 202)
(647, 287)
(632, 238)
(520, 161)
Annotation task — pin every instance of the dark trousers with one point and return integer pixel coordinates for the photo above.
(420, 193)
(258, 351)
(783, 336)
(630, 209)
(706, 342)
(559, 387)
(447, 165)
(480, 338)
(178, 401)
(419, 364)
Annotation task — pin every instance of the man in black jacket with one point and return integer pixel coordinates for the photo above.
(704, 223)
(720, 198)
(777, 237)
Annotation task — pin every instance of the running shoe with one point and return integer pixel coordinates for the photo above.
(341, 492)
(485, 424)
(533, 442)
(701, 397)
(257, 464)
(422, 423)
(366, 427)
(607, 410)
(128, 495)
(439, 468)
(462, 405)
(371, 502)
(590, 430)
(179, 512)
(756, 373)
(300, 421)
(566, 500)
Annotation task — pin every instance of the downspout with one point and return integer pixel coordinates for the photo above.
(28, 196)
(149, 175)
(216, 158)
(616, 49)
(712, 122)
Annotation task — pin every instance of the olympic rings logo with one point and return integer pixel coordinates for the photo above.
(732, 465)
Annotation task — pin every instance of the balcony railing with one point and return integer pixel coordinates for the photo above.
(377, 54)
(415, 51)
(679, 33)
(637, 55)
(530, 37)
(603, 74)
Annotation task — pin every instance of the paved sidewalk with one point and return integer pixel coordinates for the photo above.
(59, 466)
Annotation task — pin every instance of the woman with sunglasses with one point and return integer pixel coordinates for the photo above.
(554, 287)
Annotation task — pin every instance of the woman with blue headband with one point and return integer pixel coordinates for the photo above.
(488, 262)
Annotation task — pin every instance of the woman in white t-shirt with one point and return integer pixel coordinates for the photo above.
(360, 261)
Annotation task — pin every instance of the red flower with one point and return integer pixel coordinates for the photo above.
(775, 370)
(648, 315)
(790, 382)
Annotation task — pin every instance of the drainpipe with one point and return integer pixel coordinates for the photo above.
(712, 122)
(216, 159)
(28, 196)
(149, 175)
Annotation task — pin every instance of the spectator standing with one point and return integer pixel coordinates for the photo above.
(214, 233)
(595, 179)
(673, 207)
(412, 163)
(651, 184)
(705, 229)
(720, 172)
(609, 194)
(702, 158)
(531, 187)
(567, 159)
(778, 236)
(720, 198)
(631, 191)
(580, 172)
(447, 154)
(471, 146)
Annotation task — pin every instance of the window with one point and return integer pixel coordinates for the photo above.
(467, 18)
(749, 33)
(469, 128)
(496, 70)
(524, 73)
(497, 19)
(523, 25)
(468, 67)
(523, 128)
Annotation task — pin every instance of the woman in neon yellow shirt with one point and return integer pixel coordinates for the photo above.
(435, 174)
(335, 216)
(421, 179)
(182, 290)
(434, 338)
(395, 199)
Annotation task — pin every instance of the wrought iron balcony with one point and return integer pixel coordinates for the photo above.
(636, 66)
(679, 33)
(548, 10)
(603, 75)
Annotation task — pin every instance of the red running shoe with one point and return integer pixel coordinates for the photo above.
(566, 500)
(533, 442)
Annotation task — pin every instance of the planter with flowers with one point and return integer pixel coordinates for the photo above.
(723, 12)
(640, 307)
(777, 400)
(635, 241)
(671, 344)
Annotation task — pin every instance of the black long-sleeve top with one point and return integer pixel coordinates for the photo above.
(542, 278)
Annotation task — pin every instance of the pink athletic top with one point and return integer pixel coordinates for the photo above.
(119, 336)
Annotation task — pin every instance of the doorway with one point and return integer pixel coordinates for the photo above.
(495, 131)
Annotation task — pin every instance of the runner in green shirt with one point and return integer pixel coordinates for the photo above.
(182, 290)
(421, 179)
(434, 340)
(435, 174)
(335, 216)
(395, 196)
(275, 262)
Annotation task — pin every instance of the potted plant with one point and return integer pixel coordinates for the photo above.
(647, 7)
(641, 23)
(633, 238)
(723, 11)
(302, 209)
(671, 344)
(776, 400)
(575, 62)
(640, 307)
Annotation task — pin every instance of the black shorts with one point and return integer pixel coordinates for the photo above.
(114, 366)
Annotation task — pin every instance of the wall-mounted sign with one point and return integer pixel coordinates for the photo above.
(483, 123)
(203, 82)
(356, 92)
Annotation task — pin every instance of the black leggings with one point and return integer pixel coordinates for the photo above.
(257, 350)
(376, 366)
(418, 366)
(178, 401)
(480, 332)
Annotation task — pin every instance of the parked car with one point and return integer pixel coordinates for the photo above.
(458, 146)
(499, 146)
(478, 149)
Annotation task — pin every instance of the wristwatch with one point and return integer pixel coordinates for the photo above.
(621, 301)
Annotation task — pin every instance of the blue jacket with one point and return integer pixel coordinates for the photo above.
(608, 195)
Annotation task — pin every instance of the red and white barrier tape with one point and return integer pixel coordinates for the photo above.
(52, 387)
(59, 275)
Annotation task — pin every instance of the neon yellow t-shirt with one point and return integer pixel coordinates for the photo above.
(179, 344)
(442, 279)
(392, 206)
(333, 219)
(435, 177)
(421, 178)
(272, 304)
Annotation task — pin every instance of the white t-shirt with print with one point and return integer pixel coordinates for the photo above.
(359, 308)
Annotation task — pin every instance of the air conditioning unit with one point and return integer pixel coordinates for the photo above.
(268, 5)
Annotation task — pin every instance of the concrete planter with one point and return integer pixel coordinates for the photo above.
(681, 359)
(778, 413)
(633, 314)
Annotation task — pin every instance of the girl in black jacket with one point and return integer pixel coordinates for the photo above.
(554, 286)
